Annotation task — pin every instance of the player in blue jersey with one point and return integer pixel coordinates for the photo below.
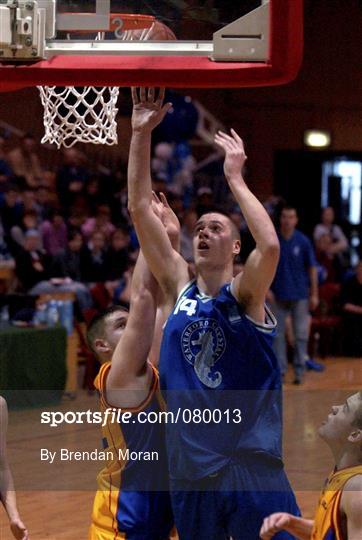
(218, 371)
(132, 500)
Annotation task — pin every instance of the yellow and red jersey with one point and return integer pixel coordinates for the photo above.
(132, 495)
(327, 521)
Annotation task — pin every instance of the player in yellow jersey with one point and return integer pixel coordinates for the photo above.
(339, 512)
(132, 501)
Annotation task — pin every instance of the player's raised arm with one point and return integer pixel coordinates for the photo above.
(7, 491)
(253, 283)
(164, 304)
(141, 338)
(165, 263)
(129, 361)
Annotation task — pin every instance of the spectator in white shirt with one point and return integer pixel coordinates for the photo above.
(339, 242)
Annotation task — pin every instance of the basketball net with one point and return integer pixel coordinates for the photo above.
(87, 114)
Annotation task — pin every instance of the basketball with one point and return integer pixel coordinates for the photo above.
(161, 32)
(127, 26)
(158, 32)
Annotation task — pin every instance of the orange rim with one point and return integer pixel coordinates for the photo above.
(131, 21)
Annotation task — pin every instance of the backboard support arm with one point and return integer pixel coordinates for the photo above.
(246, 39)
(178, 64)
(77, 21)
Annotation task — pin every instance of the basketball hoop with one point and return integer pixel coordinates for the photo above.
(87, 114)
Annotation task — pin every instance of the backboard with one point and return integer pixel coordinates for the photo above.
(220, 43)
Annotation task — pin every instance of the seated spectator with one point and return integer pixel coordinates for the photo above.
(93, 195)
(204, 201)
(54, 233)
(330, 267)
(32, 263)
(101, 222)
(94, 263)
(11, 209)
(159, 185)
(43, 201)
(187, 234)
(274, 205)
(68, 263)
(71, 178)
(237, 218)
(77, 217)
(174, 164)
(117, 262)
(352, 312)
(117, 259)
(49, 180)
(65, 272)
(25, 162)
(6, 259)
(176, 203)
(122, 293)
(29, 222)
(162, 162)
(339, 242)
(29, 201)
(247, 240)
(182, 184)
(5, 169)
(184, 162)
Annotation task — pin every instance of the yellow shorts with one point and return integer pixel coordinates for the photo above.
(104, 524)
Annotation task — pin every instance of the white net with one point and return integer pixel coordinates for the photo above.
(79, 114)
(85, 114)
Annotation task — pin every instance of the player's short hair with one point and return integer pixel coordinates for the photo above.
(234, 230)
(96, 328)
(288, 208)
(73, 233)
(357, 421)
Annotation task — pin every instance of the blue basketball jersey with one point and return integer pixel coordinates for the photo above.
(222, 383)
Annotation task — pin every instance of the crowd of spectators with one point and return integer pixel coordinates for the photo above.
(68, 229)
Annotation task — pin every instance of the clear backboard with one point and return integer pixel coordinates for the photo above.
(178, 43)
(194, 20)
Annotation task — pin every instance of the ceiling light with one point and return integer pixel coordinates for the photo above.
(317, 138)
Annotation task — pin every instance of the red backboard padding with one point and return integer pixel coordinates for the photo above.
(177, 72)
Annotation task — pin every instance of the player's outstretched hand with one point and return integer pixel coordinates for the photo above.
(148, 108)
(234, 153)
(168, 217)
(19, 530)
(273, 524)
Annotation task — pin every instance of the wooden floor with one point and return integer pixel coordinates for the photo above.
(55, 501)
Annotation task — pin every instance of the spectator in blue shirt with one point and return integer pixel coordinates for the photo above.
(352, 312)
(5, 169)
(294, 290)
(71, 180)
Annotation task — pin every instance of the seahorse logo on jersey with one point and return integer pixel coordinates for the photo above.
(203, 343)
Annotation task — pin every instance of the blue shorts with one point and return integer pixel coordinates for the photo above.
(233, 502)
(131, 515)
